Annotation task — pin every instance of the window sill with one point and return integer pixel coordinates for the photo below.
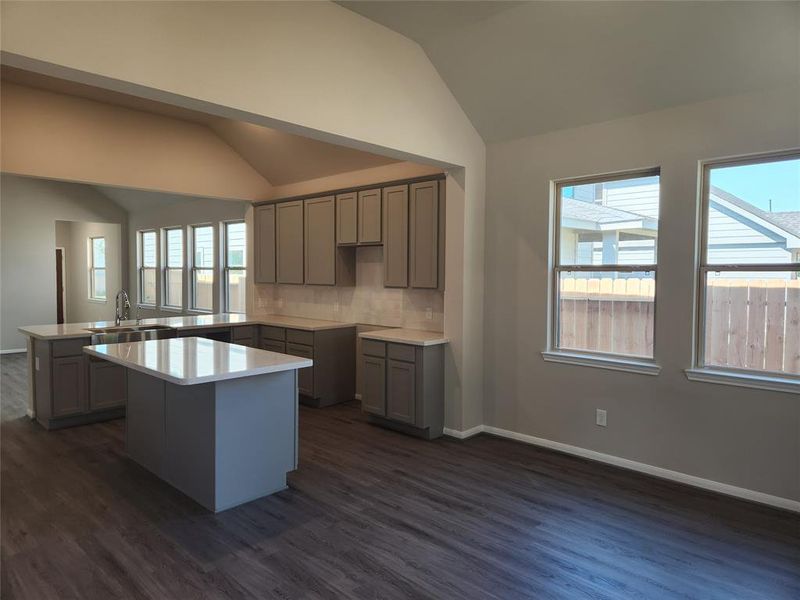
(172, 309)
(197, 311)
(97, 301)
(748, 380)
(628, 365)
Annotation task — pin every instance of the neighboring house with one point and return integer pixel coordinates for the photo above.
(617, 222)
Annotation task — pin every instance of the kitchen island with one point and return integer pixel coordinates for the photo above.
(217, 421)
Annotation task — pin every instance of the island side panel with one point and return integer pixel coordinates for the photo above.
(256, 437)
(190, 441)
(144, 421)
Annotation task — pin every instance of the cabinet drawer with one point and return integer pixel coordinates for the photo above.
(373, 348)
(273, 346)
(72, 347)
(298, 336)
(245, 332)
(402, 352)
(299, 350)
(273, 333)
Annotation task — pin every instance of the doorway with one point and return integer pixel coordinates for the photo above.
(60, 308)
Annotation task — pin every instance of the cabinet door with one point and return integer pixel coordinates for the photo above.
(264, 243)
(320, 241)
(424, 234)
(346, 219)
(305, 377)
(373, 392)
(401, 395)
(395, 236)
(369, 217)
(107, 385)
(69, 386)
(289, 241)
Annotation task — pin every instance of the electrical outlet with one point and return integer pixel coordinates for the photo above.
(602, 417)
(280, 302)
(429, 313)
(335, 307)
(261, 303)
(37, 363)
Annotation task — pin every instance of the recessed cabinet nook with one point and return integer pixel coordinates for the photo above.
(313, 240)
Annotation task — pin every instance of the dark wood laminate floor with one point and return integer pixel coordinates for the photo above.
(374, 514)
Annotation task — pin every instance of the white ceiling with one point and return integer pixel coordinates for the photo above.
(279, 157)
(524, 68)
(133, 201)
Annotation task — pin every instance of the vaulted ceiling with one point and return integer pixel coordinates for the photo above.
(280, 158)
(524, 68)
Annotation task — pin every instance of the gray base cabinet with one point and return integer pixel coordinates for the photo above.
(403, 387)
(332, 378)
(72, 389)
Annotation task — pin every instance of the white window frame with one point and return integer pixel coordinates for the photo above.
(141, 268)
(742, 377)
(166, 268)
(194, 268)
(226, 269)
(592, 358)
(92, 269)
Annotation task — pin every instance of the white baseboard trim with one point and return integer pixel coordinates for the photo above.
(609, 459)
(13, 351)
(462, 435)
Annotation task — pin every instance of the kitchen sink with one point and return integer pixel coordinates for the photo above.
(137, 333)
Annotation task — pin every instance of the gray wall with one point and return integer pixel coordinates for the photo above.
(28, 212)
(73, 237)
(177, 211)
(742, 437)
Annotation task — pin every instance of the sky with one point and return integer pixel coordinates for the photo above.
(757, 184)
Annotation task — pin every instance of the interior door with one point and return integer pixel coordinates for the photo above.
(59, 285)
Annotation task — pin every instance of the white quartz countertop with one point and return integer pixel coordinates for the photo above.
(75, 330)
(415, 337)
(192, 360)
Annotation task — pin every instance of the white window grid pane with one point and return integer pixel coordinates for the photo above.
(203, 251)
(749, 280)
(235, 244)
(148, 249)
(174, 249)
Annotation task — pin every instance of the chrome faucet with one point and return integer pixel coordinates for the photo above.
(121, 311)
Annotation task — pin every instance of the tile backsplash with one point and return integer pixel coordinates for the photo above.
(367, 303)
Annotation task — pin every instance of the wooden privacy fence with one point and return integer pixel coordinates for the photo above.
(753, 324)
(607, 315)
(749, 323)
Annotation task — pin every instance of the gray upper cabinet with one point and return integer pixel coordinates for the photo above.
(320, 244)
(369, 217)
(424, 234)
(289, 241)
(264, 246)
(347, 219)
(395, 236)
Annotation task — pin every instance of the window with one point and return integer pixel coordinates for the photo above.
(749, 266)
(173, 272)
(234, 267)
(604, 265)
(202, 267)
(97, 268)
(147, 267)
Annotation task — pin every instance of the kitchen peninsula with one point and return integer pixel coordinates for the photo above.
(70, 388)
(217, 421)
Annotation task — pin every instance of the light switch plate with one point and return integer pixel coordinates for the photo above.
(602, 417)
